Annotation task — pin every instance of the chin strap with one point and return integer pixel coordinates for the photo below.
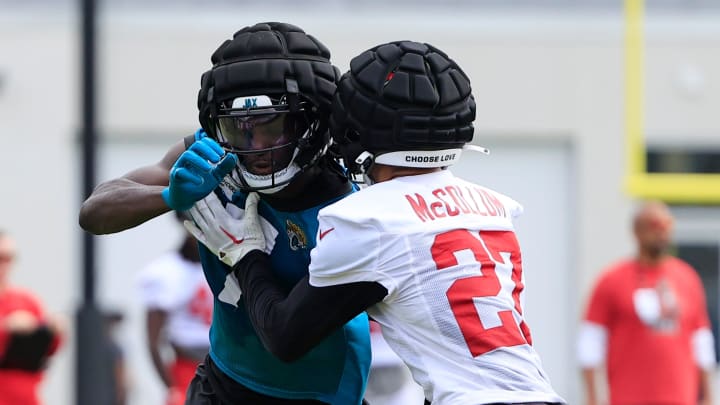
(363, 162)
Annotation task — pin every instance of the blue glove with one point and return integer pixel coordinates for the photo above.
(196, 173)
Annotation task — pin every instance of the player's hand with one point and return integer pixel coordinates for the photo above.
(197, 172)
(230, 239)
(21, 321)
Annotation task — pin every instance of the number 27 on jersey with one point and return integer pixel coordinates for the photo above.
(490, 249)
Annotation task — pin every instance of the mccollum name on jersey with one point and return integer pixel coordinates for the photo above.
(450, 201)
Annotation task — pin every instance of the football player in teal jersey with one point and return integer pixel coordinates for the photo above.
(264, 109)
(431, 257)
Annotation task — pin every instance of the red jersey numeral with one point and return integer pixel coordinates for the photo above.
(201, 305)
(487, 249)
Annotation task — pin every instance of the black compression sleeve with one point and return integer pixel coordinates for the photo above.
(289, 325)
(27, 351)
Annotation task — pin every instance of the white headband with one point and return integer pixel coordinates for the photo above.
(420, 158)
(426, 158)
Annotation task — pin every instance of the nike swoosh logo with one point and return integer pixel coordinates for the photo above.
(232, 237)
(325, 232)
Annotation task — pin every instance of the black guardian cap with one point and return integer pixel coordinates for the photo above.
(267, 99)
(402, 103)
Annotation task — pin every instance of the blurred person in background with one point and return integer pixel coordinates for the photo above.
(178, 304)
(113, 320)
(646, 321)
(28, 335)
(432, 258)
(264, 109)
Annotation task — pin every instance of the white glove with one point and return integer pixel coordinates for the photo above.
(228, 238)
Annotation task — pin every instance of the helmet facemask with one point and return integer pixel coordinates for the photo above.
(267, 138)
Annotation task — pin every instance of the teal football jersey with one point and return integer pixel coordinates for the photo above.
(335, 371)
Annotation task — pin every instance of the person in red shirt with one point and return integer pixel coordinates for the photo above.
(28, 337)
(647, 321)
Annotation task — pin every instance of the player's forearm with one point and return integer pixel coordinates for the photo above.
(275, 322)
(306, 315)
(121, 204)
(706, 384)
(588, 376)
(160, 366)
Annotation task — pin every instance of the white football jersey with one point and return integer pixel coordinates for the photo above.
(445, 250)
(178, 287)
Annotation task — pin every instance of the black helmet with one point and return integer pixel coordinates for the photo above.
(267, 99)
(402, 103)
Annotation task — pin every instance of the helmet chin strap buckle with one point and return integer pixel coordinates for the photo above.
(359, 173)
(364, 161)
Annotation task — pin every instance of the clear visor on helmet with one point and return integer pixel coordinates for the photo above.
(264, 133)
(264, 144)
(254, 133)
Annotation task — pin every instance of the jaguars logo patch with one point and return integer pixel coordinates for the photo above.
(295, 234)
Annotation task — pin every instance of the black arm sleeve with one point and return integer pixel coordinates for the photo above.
(289, 325)
(27, 351)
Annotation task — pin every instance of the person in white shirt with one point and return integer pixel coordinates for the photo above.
(178, 304)
(432, 258)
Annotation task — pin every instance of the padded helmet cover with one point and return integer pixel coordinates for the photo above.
(402, 96)
(268, 58)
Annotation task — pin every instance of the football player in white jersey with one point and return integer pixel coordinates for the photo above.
(178, 306)
(431, 257)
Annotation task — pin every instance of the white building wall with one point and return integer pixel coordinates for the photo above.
(543, 77)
